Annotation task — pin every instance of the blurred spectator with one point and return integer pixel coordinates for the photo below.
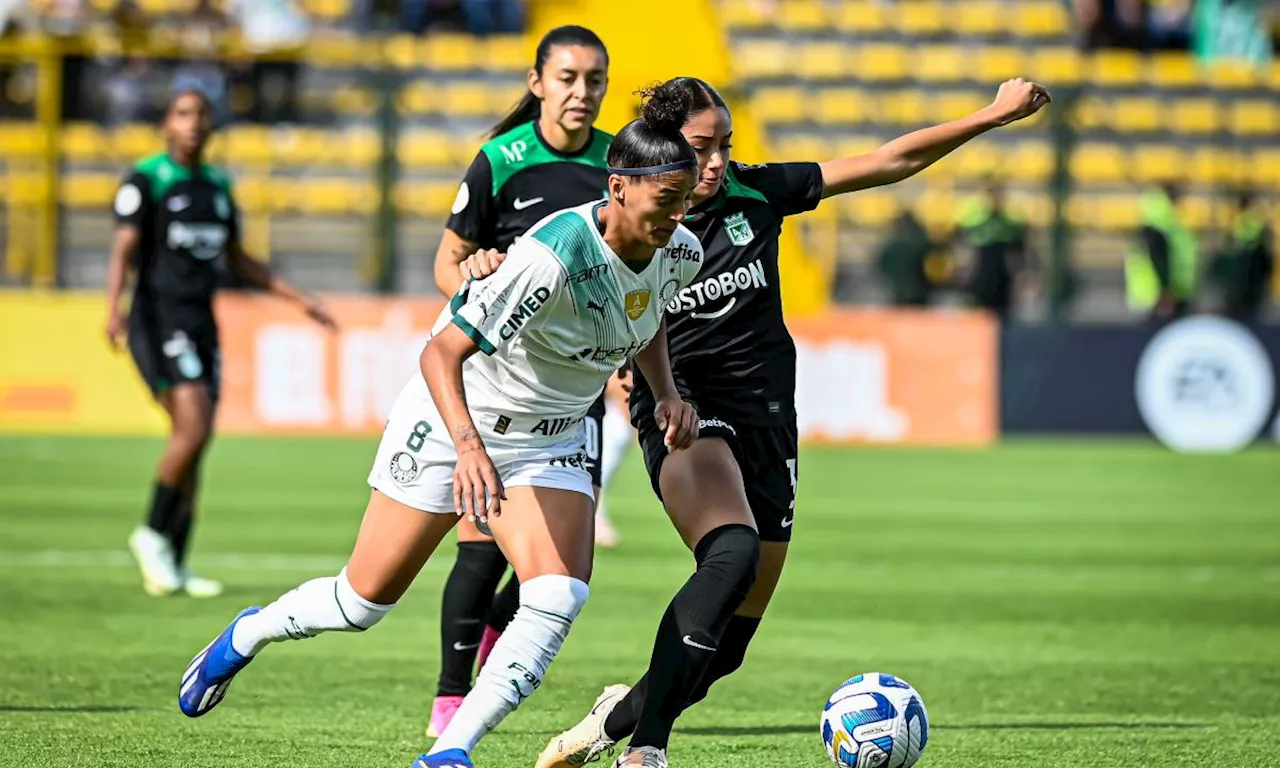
(11, 15)
(1232, 29)
(69, 18)
(1110, 23)
(1169, 24)
(368, 16)
(125, 93)
(493, 17)
(12, 20)
(278, 29)
(1160, 271)
(201, 69)
(123, 90)
(418, 16)
(479, 17)
(902, 261)
(1245, 267)
(999, 258)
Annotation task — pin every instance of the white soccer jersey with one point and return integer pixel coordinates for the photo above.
(556, 319)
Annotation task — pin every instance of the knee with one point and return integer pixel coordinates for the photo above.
(357, 611)
(553, 595)
(732, 552)
(190, 437)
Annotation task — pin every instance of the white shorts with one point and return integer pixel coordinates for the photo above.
(416, 458)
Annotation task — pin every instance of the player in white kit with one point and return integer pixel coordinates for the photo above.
(498, 436)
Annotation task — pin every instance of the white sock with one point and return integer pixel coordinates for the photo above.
(320, 605)
(616, 437)
(548, 606)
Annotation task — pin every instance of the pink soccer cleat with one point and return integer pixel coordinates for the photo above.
(487, 641)
(442, 711)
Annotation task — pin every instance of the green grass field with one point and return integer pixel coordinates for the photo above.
(1058, 605)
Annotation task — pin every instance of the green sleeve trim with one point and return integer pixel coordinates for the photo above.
(520, 149)
(734, 187)
(475, 335)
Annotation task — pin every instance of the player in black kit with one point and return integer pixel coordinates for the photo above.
(176, 219)
(732, 495)
(544, 156)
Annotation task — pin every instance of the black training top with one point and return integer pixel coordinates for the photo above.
(517, 179)
(731, 353)
(186, 219)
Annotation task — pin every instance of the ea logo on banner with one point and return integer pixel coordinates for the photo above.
(1205, 384)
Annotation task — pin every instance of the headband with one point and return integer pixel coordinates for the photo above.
(650, 170)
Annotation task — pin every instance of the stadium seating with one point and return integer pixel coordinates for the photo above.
(825, 78)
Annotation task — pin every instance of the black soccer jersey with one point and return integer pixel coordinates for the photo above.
(186, 219)
(731, 353)
(517, 179)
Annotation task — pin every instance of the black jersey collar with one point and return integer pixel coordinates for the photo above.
(731, 187)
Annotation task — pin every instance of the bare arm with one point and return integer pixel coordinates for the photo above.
(671, 414)
(122, 247)
(441, 364)
(655, 364)
(908, 155)
(477, 488)
(259, 275)
(453, 250)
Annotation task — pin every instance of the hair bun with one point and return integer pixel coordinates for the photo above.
(665, 107)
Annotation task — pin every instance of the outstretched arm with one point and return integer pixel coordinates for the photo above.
(257, 274)
(907, 155)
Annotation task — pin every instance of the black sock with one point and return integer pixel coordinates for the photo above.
(468, 592)
(692, 627)
(505, 605)
(180, 529)
(730, 654)
(728, 658)
(164, 507)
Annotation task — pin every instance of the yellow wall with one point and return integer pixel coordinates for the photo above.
(58, 374)
(681, 37)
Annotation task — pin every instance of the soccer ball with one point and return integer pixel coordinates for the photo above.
(875, 721)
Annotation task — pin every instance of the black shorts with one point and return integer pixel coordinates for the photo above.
(174, 349)
(594, 421)
(767, 457)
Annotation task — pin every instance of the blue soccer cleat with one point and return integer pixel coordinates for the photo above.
(209, 675)
(450, 758)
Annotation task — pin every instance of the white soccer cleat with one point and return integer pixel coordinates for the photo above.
(154, 554)
(198, 586)
(585, 742)
(607, 537)
(642, 757)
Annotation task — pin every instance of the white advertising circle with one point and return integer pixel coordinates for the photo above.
(1205, 385)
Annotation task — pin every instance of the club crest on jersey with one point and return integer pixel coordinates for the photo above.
(739, 229)
(222, 206)
(637, 302)
(404, 468)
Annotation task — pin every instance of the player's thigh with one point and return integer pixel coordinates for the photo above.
(771, 473)
(394, 542)
(702, 489)
(191, 407)
(546, 531)
(773, 556)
